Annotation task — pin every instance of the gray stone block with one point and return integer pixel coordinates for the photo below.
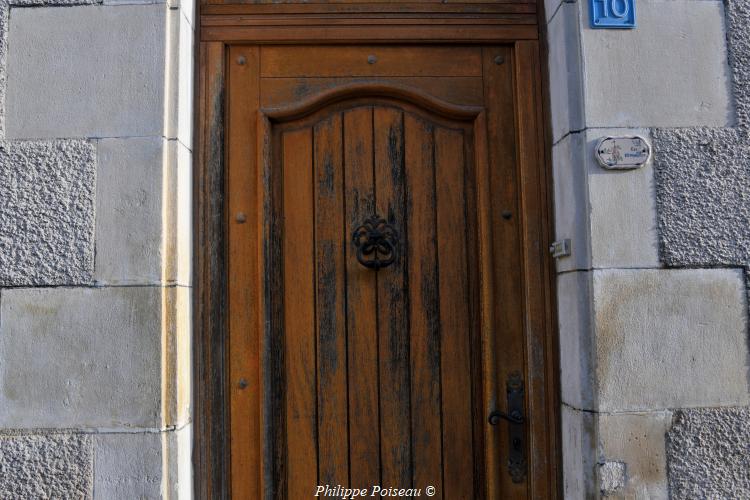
(88, 71)
(703, 175)
(578, 431)
(130, 200)
(633, 457)
(565, 74)
(178, 231)
(181, 74)
(738, 37)
(40, 3)
(662, 74)
(47, 212)
(670, 339)
(81, 358)
(55, 466)
(577, 347)
(703, 196)
(143, 465)
(623, 210)
(128, 466)
(179, 476)
(708, 452)
(572, 207)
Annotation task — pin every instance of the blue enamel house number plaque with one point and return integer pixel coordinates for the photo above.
(612, 13)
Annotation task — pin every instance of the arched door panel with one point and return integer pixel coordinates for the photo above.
(379, 368)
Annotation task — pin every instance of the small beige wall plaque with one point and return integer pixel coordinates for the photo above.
(623, 153)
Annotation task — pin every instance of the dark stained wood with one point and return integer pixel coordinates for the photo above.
(330, 298)
(366, 20)
(301, 428)
(382, 8)
(455, 321)
(383, 33)
(332, 61)
(343, 2)
(393, 327)
(487, 331)
(360, 377)
(474, 167)
(350, 93)
(343, 22)
(542, 401)
(273, 393)
(424, 325)
(362, 314)
(279, 92)
(544, 124)
(211, 455)
(243, 301)
(505, 237)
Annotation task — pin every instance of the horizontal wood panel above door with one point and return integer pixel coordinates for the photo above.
(340, 2)
(382, 33)
(317, 61)
(439, 9)
(279, 92)
(340, 22)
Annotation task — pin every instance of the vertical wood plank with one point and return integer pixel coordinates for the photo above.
(455, 322)
(299, 315)
(212, 447)
(243, 270)
(393, 327)
(535, 231)
(426, 416)
(474, 167)
(362, 308)
(505, 241)
(330, 298)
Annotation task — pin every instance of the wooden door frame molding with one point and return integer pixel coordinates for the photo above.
(220, 25)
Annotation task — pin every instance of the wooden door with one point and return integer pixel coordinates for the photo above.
(345, 371)
(377, 366)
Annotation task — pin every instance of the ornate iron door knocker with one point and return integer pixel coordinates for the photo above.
(376, 242)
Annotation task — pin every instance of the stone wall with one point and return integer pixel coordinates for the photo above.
(95, 161)
(653, 301)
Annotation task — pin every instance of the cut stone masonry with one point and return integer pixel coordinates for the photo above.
(702, 175)
(702, 180)
(708, 454)
(46, 466)
(47, 193)
(638, 341)
(47, 212)
(110, 420)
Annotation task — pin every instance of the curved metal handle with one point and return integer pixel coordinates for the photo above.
(515, 417)
(376, 242)
(516, 430)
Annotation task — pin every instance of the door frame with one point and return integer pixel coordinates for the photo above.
(220, 26)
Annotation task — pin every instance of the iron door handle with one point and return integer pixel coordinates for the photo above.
(515, 417)
(516, 428)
